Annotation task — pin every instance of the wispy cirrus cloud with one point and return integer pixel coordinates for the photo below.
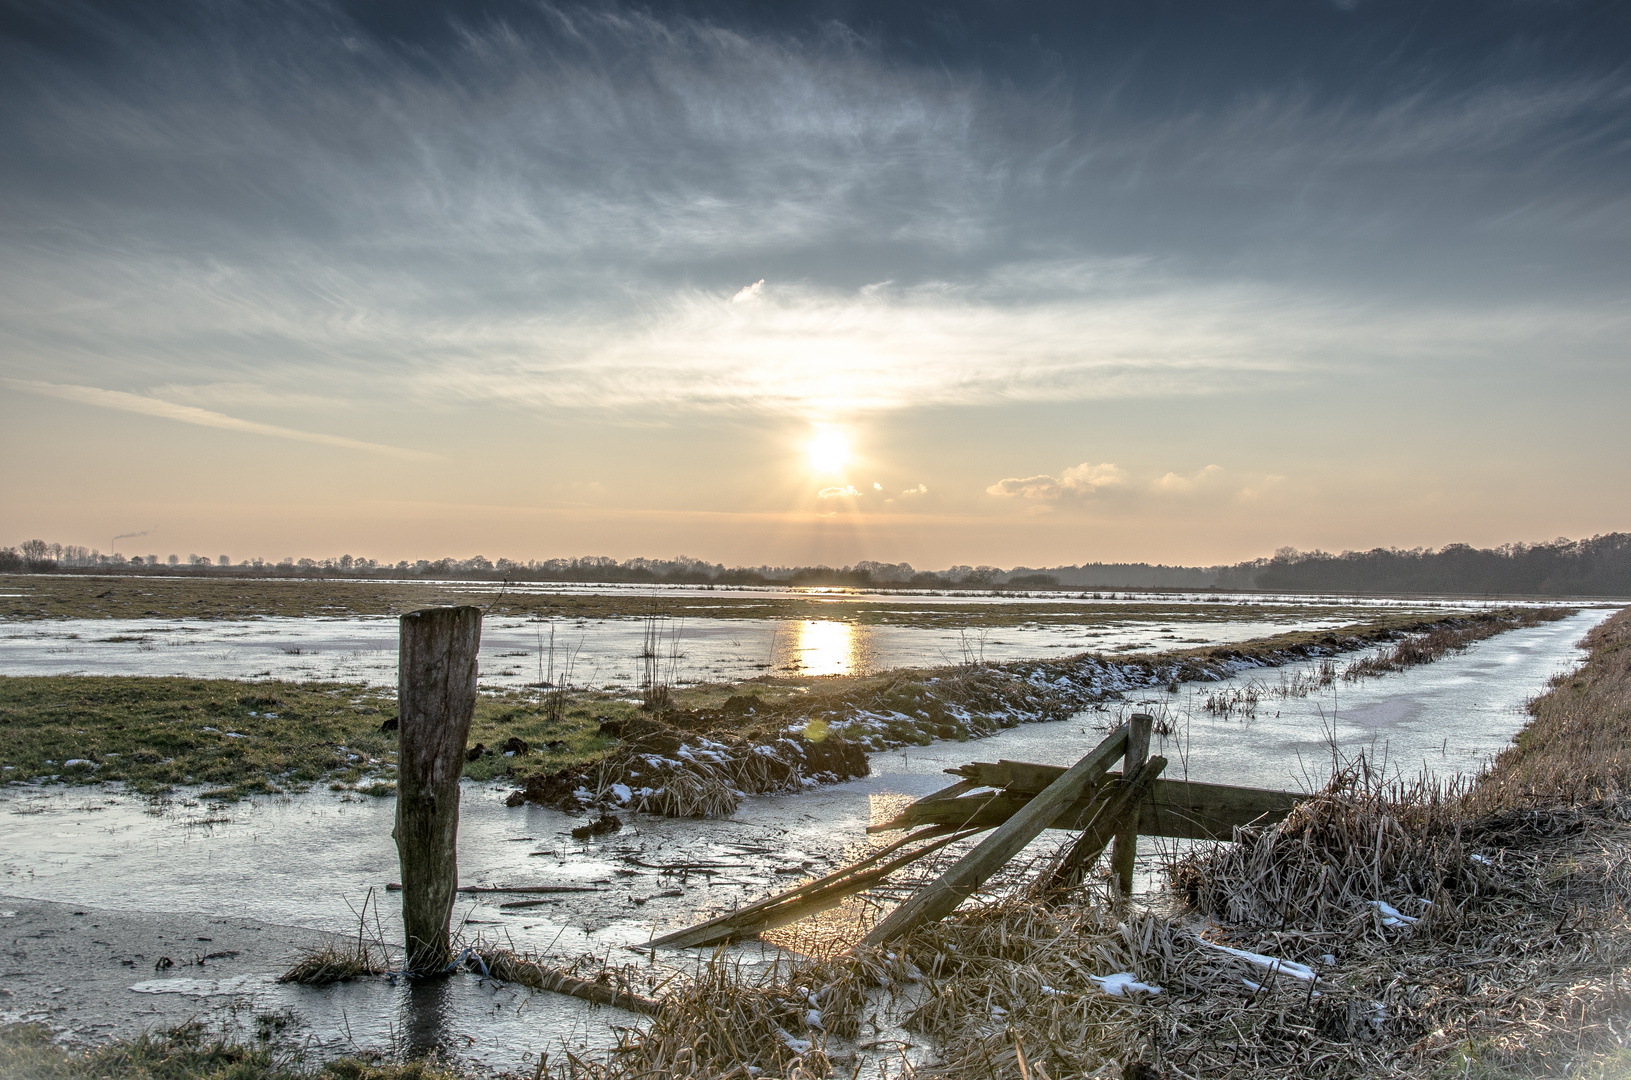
(191, 414)
(559, 211)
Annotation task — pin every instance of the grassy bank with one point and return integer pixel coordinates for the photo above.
(237, 738)
(1576, 749)
(703, 761)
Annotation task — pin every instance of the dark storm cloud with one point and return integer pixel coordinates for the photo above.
(970, 202)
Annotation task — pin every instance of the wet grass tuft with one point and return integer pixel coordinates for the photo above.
(190, 1052)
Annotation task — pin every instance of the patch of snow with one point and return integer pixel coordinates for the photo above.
(1391, 916)
(1272, 963)
(1118, 984)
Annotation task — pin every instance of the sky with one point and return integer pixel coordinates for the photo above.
(1017, 284)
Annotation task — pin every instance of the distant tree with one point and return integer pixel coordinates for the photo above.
(173, 560)
(223, 560)
(35, 551)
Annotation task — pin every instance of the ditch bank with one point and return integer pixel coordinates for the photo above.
(704, 762)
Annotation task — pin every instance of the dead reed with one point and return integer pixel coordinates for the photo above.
(334, 962)
(1577, 748)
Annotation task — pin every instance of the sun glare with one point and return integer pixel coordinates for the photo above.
(829, 451)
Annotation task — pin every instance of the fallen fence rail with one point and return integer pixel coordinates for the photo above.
(1020, 801)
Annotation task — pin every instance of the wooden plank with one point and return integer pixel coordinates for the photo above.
(705, 933)
(942, 896)
(799, 904)
(1183, 809)
(1120, 803)
(1023, 776)
(1189, 810)
(1122, 857)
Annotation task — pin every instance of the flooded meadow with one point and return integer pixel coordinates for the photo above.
(272, 873)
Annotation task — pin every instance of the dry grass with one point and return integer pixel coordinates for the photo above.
(335, 962)
(1577, 747)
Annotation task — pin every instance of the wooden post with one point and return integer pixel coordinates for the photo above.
(436, 694)
(1125, 798)
(940, 897)
(1126, 845)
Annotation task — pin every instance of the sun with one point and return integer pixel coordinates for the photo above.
(829, 451)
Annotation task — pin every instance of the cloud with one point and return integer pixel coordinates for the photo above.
(188, 414)
(521, 220)
(1077, 482)
(1173, 484)
(921, 489)
(846, 492)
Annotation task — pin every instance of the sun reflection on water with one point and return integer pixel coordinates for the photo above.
(825, 647)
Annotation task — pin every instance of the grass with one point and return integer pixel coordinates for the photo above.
(153, 734)
(236, 738)
(1577, 746)
(63, 596)
(188, 1052)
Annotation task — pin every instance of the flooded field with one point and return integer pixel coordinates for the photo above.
(606, 652)
(309, 861)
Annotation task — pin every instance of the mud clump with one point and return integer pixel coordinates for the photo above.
(606, 823)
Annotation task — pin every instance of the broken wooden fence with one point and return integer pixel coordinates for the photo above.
(1014, 801)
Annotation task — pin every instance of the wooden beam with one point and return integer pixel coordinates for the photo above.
(1125, 852)
(1121, 802)
(1183, 809)
(1189, 810)
(808, 898)
(511, 968)
(942, 896)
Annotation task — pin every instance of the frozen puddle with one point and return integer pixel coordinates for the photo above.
(310, 860)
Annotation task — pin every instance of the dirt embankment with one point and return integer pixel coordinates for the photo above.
(703, 762)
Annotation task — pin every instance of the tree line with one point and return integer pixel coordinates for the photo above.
(1600, 566)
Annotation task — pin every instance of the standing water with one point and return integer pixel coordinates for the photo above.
(308, 861)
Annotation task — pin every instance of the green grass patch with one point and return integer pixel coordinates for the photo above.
(237, 738)
(189, 1052)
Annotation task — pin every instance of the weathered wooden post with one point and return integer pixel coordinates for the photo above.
(1126, 846)
(436, 694)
